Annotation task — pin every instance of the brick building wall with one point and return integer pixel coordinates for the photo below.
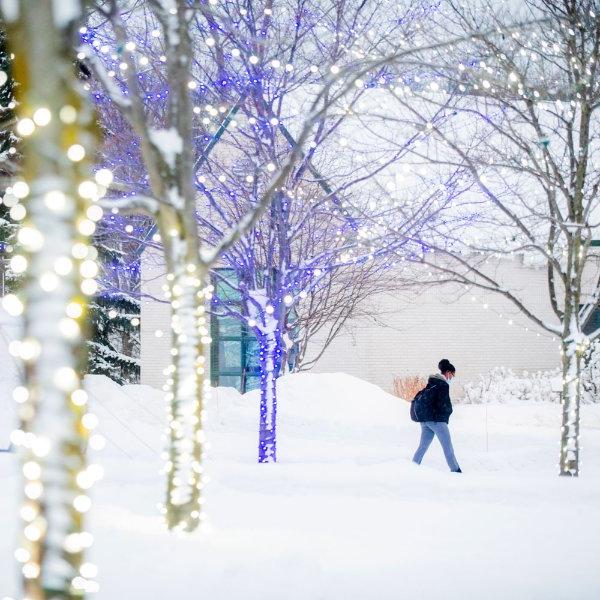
(411, 334)
(446, 322)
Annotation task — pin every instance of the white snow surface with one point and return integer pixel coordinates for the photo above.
(169, 142)
(10, 329)
(344, 515)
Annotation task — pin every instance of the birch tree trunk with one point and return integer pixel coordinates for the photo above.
(572, 357)
(186, 275)
(573, 345)
(56, 128)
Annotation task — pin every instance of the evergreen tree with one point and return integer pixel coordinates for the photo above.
(8, 227)
(6, 102)
(114, 347)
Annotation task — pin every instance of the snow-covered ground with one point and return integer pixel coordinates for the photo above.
(344, 515)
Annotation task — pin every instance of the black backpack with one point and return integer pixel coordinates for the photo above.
(421, 406)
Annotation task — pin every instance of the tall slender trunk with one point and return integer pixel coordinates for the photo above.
(572, 352)
(571, 400)
(171, 172)
(55, 234)
(271, 351)
(186, 388)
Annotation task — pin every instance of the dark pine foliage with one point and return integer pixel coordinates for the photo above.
(114, 344)
(114, 347)
(8, 228)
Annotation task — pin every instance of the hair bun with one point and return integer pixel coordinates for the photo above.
(445, 365)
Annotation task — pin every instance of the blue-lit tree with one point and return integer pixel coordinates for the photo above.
(321, 227)
(160, 67)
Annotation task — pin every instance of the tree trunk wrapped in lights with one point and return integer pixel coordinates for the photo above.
(57, 130)
(271, 351)
(574, 346)
(168, 157)
(186, 280)
(187, 384)
(572, 359)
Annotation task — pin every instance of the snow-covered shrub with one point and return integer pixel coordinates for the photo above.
(407, 387)
(504, 385)
(590, 375)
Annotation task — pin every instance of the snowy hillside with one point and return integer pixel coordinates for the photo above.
(344, 515)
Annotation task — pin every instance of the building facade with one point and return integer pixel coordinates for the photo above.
(408, 334)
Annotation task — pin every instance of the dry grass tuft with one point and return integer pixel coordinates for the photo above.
(407, 387)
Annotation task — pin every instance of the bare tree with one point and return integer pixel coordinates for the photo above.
(524, 124)
(167, 154)
(345, 295)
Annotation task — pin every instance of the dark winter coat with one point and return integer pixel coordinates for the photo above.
(433, 402)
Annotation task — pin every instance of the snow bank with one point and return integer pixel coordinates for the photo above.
(132, 417)
(324, 417)
(344, 515)
(336, 398)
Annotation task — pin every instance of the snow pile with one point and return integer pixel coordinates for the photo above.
(311, 406)
(335, 397)
(504, 385)
(132, 417)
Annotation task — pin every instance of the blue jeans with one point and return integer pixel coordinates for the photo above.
(428, 430)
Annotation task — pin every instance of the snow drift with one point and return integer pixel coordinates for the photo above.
(344, 515)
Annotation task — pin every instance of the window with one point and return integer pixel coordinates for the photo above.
(593, 321)
(234, 349)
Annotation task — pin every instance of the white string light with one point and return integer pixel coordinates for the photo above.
(509, 321)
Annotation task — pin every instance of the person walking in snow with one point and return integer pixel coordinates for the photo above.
(432, 409)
